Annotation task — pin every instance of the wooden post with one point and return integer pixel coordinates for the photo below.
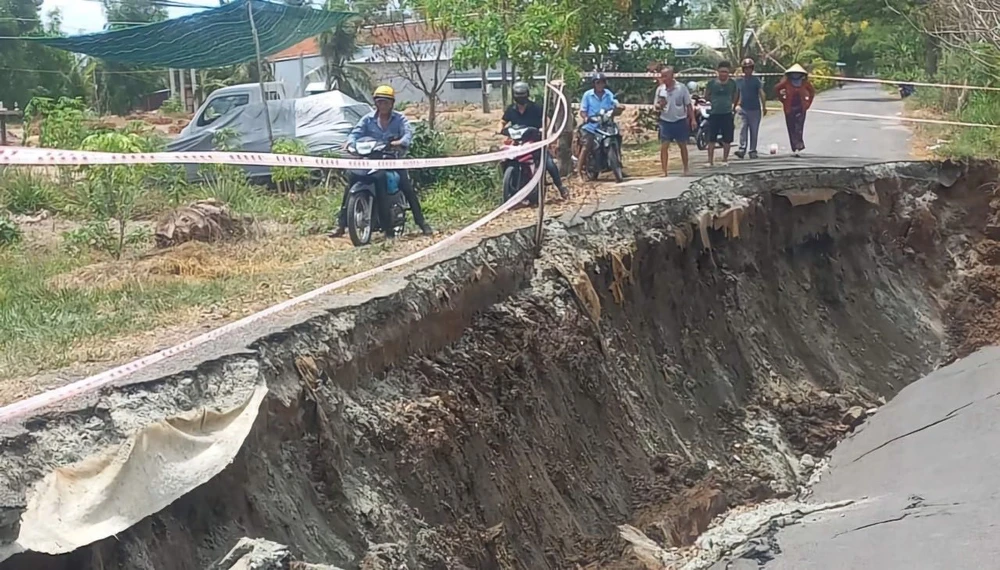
(260, 73)
(183, 82)
(195, 101)
(173, 83)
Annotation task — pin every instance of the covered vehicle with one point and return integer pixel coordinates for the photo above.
(321, 121)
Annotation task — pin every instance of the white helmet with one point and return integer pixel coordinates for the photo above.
(692, 86)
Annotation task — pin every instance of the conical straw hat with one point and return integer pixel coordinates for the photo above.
(796, 69)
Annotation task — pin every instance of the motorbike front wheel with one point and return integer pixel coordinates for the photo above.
(359, 217)
(511, 181)
(615, 162)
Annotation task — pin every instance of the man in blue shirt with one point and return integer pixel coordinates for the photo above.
(593, 102)
(387, 126)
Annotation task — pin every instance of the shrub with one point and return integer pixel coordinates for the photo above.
(60, 122)
(24, 192)
(172, 106)
(111, 192)
(290, 178)
(10, 233)
(430, 143)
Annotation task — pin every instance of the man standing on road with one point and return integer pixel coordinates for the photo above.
(676, 118)
(753, 105)
(723, 94)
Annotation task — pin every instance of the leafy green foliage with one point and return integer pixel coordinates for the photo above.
(290, 178)
(23, 191)
(430, 143)
(110, 193)
(121, 87)
(60, 121)
(28, 69)
(172, 106)
(10, 233)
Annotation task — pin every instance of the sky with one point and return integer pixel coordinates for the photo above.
(86, 16)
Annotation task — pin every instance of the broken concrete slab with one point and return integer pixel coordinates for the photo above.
(927, 463)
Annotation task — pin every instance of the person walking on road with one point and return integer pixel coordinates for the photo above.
(676, 118)
(796, 94)
(753, 106)
(724, 96)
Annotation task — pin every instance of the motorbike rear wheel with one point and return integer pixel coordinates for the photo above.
(360, 211)
(701, 139)
(615, 162)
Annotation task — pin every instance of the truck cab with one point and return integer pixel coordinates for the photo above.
(223, 100)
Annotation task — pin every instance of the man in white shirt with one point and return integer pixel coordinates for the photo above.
(673, 100)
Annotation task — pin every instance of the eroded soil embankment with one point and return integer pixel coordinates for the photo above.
(628, 376)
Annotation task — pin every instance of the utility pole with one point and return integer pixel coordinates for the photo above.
(260, 74)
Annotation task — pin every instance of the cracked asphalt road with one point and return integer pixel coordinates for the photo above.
(924, 470)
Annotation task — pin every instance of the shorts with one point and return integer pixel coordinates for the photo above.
(675, 131)
(721, 125)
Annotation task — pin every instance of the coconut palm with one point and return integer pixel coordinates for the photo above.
(338, 47)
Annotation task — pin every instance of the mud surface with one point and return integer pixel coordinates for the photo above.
(656, 366)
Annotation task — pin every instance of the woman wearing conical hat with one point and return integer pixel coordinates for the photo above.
(796, 94)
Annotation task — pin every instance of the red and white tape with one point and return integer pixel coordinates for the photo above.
(27, 406)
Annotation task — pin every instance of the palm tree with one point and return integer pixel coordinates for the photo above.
(338, 47)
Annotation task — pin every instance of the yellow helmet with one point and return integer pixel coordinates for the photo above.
(385, 92)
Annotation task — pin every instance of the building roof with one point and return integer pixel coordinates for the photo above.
(424, 41)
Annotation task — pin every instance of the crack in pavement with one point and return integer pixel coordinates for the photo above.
(863, 527)
(951, 415)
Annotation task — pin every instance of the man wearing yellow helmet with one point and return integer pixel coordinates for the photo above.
(391, 127)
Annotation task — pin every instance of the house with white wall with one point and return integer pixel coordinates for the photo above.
(385, 58)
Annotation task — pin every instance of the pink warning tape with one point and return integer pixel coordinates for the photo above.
(25, 407)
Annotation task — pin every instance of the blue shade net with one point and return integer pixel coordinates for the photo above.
(213, 38)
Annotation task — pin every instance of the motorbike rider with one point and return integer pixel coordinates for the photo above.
(527, 113)
(594, 101)
(385, 125)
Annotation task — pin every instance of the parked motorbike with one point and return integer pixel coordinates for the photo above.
(362, 215)
(702, 108)
(606, 153)
(518, 171)
(905, 90)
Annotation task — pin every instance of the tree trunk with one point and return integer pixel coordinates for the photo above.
(513, 76)
(485, 89)
(431, 109)
(565, 149)
(932, 49)
(503, 82)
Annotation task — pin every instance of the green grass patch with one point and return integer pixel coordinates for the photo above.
(41, 322)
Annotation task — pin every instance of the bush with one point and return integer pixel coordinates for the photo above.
(290, 178)
(10, 233)
(430, 143)
(172, 106)
(110, 193)
(24, 192)
(60, 122)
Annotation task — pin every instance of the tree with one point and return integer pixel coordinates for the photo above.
(420, 52)
(28, 69)
(121, 87)
(338, 48)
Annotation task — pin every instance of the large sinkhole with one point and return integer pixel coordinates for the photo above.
(657, 365)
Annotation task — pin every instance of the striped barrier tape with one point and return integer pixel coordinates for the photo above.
(653, 75)
(24, 156)
(50, 398)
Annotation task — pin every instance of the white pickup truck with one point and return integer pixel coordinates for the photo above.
(223, 100)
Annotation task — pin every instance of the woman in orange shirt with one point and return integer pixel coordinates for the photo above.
(796, 94)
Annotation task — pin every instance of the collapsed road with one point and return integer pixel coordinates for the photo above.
(658, 365)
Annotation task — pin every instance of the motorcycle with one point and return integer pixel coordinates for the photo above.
(606, 153)
(362, 215)
(519, 170)
(905, 90)
(702, 109)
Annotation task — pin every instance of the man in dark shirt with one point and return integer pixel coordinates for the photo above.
(753, 105)
(527, 113)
